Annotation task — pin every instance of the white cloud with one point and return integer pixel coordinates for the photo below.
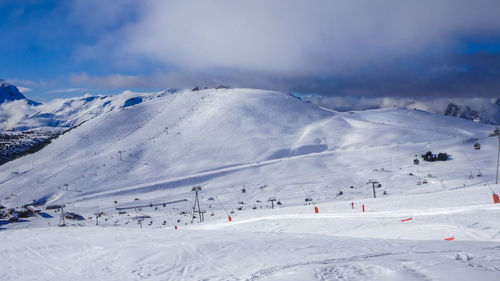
(23, 89)
(290, 37)
(14, 112)
(67, 90)
(15, 81)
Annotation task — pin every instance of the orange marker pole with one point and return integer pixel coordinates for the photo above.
(229, 218)
(316, 210)
(449, 238)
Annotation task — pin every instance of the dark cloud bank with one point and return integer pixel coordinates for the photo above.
(371, 48)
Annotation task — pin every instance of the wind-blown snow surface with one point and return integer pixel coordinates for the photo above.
(272, 145)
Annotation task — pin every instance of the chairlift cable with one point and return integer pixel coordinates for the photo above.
(222, 205)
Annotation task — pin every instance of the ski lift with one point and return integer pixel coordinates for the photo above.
(419, 182)
(479, 174)
(415, 161)
(425, 181)
(477, 146)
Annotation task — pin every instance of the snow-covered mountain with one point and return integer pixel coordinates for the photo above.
(24, 125)
(9, 92)
(128, 156)
(211, 133)
(477, 109)
(68, 112)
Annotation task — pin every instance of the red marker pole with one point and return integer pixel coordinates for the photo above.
(363, 208)
(352, 205)
(316, 210)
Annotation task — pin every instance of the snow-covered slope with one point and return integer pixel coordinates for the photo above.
(25, 124)
(243, 147)
(194, 137)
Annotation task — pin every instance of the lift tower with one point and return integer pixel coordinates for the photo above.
(496, 133)
(196, 206)
(375, 184)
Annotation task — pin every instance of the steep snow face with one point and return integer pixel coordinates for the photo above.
(9, 92)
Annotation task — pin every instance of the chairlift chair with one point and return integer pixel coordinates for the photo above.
(425, 181)
(415, 161)
(477, 146)
(479, 174)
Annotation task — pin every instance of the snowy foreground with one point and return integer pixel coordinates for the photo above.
(121, 254)
(431, 221)
(291, 243)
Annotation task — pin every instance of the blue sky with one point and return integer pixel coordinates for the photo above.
(55, 49)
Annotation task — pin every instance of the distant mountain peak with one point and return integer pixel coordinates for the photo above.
(9, 92)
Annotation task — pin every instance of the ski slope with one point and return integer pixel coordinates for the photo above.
(272, 145)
